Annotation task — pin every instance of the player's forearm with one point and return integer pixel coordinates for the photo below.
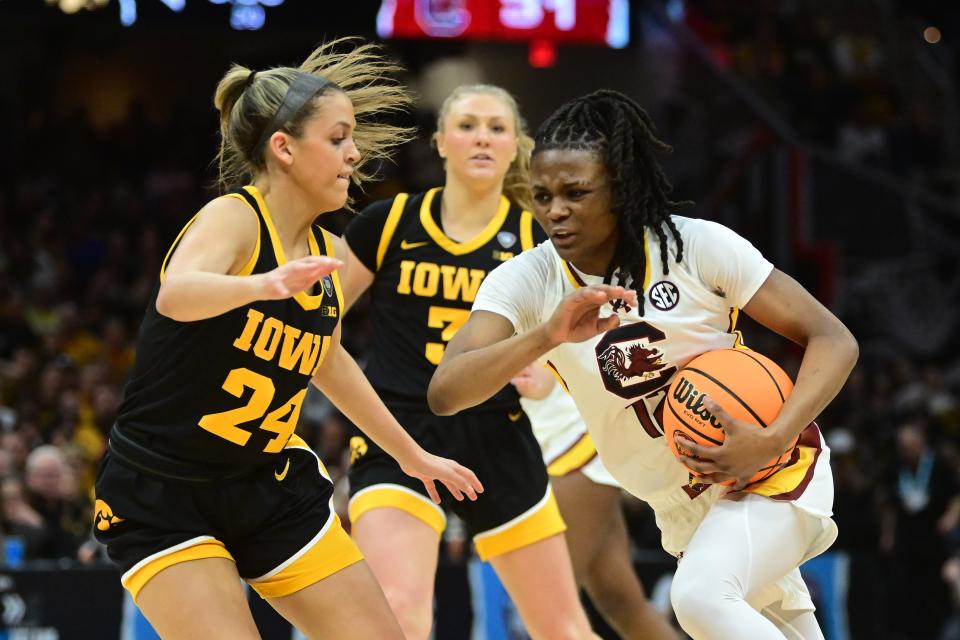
(197, 295)
(344, 383)
(468, 378)
(826, 365)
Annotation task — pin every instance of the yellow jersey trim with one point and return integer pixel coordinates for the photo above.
(787, 479)
(578, 455)
(332, 551)
(397, 497)
(646, 262)
(556, 374)
(452, 246)
(390, 226)
(541, 521)
(330, 250)
(245, 270)
(305, 300)
(296, 442)
(205, 548)
(577, 282)
(526, 230)
(737, 334)
(570, 275)
(166, 258)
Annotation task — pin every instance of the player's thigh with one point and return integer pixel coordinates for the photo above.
(590, 511)
(748, 541)
(347, 604)
(540, 582)
(198, 599)
(402, 551)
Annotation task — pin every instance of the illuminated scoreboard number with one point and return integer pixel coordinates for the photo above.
(604, 22)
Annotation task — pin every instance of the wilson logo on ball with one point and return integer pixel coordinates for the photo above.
(689, 398)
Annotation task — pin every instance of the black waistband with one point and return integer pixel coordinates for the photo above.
(151, 463)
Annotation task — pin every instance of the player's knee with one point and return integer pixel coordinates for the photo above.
(612, 594)
(697, 600)
(413, 612)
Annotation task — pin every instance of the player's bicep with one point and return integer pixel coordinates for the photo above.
(482, 329)
(221, 239)
(783, 305)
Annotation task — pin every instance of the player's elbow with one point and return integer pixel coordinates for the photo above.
(844, 344)
(851, 347)
(440, 402)
(167, 306)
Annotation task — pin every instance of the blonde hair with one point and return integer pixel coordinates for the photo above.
(248, 101)
(516, 183)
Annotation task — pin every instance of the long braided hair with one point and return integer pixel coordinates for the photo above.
(622, 134)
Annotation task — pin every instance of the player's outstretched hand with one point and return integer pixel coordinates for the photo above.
(459, 481)
(295, 276)
(577, 318)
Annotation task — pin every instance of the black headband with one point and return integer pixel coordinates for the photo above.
(304, 87)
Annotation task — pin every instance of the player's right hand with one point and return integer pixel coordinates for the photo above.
(428, 468)
(295, 276)
(577, 318)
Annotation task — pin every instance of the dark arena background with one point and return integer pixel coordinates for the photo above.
(827, 132)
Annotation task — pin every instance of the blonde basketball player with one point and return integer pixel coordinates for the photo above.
(205, 482)
(625, 294)
(423, 256)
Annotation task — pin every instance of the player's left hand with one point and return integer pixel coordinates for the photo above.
(745, 450)
(428, 468)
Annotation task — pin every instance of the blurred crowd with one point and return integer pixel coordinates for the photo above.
(851, 76)
(84, 227)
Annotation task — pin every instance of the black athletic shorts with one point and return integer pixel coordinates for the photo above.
(275, 523)
(517, 507)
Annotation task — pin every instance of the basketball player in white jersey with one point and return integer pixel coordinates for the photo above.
(622, 297)
(590, 502)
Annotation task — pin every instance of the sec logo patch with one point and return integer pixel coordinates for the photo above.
(664, 295)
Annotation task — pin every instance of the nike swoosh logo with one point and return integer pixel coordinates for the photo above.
(283, 474)
(515, 416)
(404, 245)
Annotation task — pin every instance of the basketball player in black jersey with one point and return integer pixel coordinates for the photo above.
(205, 481)
(424, 256)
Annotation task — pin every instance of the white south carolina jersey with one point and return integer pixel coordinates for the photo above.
(619, 379)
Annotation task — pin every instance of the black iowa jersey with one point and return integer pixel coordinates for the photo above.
(223, 394)
(425, 284)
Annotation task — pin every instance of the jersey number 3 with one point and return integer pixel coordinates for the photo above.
(449, 320)
(281, 421)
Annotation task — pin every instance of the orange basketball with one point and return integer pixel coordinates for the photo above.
(749, 386)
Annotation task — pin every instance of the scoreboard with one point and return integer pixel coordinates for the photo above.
(601, 22)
